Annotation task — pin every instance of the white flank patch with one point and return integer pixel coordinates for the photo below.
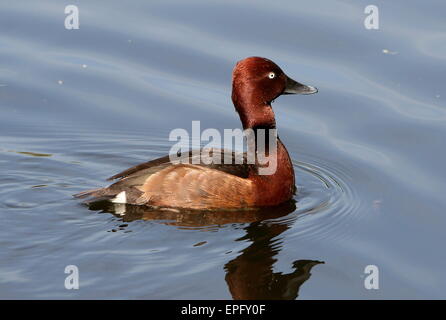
(120, 198)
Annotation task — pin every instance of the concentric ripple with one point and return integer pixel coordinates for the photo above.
(326, 201)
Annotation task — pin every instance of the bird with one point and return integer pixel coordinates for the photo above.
(195, 185)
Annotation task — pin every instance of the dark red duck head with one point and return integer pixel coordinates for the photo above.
(256, 82)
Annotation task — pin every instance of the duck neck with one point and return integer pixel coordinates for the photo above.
(278, 185)
(253, 111)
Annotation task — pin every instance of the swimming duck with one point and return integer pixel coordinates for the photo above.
(256, 82)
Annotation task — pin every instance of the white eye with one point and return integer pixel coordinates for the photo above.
(271, 75)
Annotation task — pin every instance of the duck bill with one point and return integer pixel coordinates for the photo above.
(294, 87)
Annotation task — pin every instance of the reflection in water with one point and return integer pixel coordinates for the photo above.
(250, 275)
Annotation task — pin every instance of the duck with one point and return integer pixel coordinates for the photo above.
(192, 185)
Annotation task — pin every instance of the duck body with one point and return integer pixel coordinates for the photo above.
(188, 184)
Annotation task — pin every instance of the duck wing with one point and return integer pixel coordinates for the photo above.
(187, 181)
(226, 164)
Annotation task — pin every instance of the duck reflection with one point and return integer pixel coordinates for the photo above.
(250, 275)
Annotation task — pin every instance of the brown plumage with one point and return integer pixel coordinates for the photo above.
(163, 183)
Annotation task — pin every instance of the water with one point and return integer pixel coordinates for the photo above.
(79, 106)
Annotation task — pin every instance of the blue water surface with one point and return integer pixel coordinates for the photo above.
(77, 106)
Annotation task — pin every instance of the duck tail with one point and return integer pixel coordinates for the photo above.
(95, 195)
(89, 193)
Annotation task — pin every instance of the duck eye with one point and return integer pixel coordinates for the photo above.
(271, 75)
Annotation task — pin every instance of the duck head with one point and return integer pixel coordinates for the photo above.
(256, 82)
